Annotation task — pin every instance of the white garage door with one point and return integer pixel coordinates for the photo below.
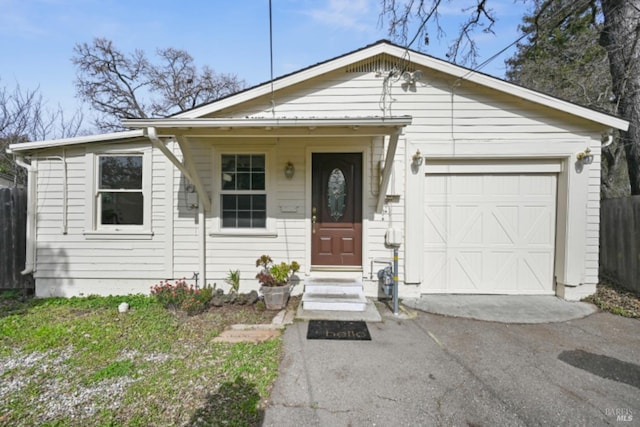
(489, 233)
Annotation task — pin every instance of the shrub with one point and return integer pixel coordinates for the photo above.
(181, 296)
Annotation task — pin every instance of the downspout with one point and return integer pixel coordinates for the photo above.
(204, 201)
(31, 216)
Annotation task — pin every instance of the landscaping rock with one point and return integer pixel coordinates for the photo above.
(252, 297)
(241, 299)
(229, 298)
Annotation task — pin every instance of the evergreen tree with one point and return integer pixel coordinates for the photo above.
(562, 57)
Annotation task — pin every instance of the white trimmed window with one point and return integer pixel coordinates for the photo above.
(243, 192)
(242, 184)
(120, 194)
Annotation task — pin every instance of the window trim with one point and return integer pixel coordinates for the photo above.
(216, 208)
(93, 228)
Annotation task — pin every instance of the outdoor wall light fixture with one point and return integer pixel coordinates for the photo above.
(585, 157)
(289, 170)
(416, 159)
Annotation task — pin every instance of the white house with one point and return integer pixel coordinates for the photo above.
(487, 187)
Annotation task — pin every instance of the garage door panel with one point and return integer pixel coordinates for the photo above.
(435, 276)
(491, 233)
(464, 270)
(501, 225)
(466, 226)
(435, 224)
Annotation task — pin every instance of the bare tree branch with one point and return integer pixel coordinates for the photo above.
(25, 117)
(121, 86)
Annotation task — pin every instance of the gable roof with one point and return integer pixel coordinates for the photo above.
(417, 58)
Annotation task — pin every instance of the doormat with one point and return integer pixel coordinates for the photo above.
(338, 330)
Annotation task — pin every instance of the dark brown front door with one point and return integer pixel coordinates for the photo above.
(336, 213)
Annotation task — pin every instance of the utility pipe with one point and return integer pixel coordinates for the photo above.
(31, 215)
(396, 310)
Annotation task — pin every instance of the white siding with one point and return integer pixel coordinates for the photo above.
(466, 122)
(452, 119)
(70, 264)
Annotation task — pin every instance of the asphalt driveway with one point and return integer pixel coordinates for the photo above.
(438, 370)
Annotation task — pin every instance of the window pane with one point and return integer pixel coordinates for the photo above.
(244, 181)
(121, 208)
(228, 163)
(229, 202)
(120, 172)
(259, 202)
(229, 210)
(257, 181)
(257, 163)
(228, 181)
(259, 220)
(244, 203)
(244, 219)
(244, 162)
(229, 219)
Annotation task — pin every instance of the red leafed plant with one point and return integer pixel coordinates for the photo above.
(272, 274)
(182, 296)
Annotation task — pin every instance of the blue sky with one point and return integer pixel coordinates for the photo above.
(231, 36)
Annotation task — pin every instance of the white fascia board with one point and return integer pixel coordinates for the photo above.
(105, 137)
(186, 123)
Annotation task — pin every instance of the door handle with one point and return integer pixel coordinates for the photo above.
(313, 221)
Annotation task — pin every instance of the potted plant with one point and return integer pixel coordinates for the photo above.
(275, 281)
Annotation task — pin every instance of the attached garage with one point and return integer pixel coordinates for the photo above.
(489, 227)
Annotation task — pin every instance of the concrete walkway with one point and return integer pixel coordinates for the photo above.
(503, 308)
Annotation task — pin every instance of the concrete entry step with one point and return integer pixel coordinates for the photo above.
(333, 294)
(340, 302)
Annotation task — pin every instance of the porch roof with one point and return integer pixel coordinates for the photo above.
(183, 129)
(281, 126)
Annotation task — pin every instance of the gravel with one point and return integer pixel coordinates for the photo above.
(58, 393)
(617, 300)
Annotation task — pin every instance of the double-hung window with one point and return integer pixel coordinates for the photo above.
(243, 191)
(120, 195)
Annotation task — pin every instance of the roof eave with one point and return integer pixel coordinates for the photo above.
(37, 145)
(185, 123)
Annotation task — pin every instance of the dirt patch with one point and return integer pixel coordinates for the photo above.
(616, 300)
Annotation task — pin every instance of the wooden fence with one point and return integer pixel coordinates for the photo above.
(13, 220)
(620, 241)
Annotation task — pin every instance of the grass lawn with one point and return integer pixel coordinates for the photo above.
(79, 362)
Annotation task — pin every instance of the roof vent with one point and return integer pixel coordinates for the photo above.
(381, 64)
